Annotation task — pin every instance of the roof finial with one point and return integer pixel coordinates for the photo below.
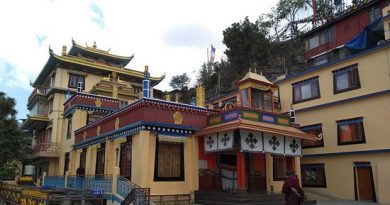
(73, 41)
(94, 44)
(50, 50)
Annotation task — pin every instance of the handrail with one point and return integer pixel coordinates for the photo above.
(132, 193)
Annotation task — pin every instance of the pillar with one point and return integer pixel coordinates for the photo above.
(89, 170)
(109, 156)
(67, 173)
(115, 175)
(241, 172)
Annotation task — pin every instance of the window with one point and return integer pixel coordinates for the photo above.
(350, 131)
(313, 175)
(320, 39)
(169, 162)
(74, 79)
(125, 159)
(346, 79)
(375, 14)
(245, 98)
(321, 60)
(261, 100)
(306, 90)
(69, 130)
(315, 130)
(282, 165)
(50, 107)
(49, 135)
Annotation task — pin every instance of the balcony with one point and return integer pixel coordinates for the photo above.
(105, 88)
(38, 91)
(45, 150)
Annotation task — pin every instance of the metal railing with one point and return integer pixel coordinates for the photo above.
(47, 147)
(132, 193)
(91, 182)
(54, 181)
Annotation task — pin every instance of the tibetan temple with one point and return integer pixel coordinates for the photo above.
(91, 115)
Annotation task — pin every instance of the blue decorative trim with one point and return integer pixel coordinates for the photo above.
(311, 127)
(326, 65)
(88, 108)
(344, 100)
(306, 81)
(349, 121)
(347, 153)
(169, 129)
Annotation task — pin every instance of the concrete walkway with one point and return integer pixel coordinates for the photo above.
(343, 202)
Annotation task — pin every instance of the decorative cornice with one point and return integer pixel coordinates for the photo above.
(149, 102)
(162, 128)
(374, 151)
(88, 108)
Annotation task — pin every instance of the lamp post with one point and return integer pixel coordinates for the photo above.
(117, 155)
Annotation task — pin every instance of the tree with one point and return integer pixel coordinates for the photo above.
(13, 141)
(180, 84)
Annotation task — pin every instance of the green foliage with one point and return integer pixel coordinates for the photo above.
(180, 82)
(13, 141)
(246, 43)
(180, 85)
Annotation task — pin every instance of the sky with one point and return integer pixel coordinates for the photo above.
(169, 36)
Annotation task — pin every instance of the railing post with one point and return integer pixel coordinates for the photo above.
(66, 179)
(43, 179)
(115, 175)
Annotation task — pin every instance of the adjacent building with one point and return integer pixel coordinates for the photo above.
(81, 69)
(345, 102)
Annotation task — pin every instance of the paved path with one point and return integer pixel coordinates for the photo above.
(323, 202)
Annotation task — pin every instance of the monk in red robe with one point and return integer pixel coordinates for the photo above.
(293, 193)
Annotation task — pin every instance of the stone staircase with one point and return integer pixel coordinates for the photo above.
(223, 198)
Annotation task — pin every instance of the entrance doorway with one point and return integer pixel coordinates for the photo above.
(364, 183)
(228, 165)
(256, 172)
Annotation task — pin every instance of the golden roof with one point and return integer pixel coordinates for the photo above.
(255, 76)
(97, 51)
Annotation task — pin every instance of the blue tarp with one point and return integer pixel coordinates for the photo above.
(368, 38)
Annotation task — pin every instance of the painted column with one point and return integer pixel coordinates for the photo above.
(241, 172)
(88, 162)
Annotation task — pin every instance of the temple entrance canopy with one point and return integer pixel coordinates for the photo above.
(248, 146)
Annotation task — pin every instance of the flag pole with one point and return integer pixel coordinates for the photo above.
(208, 61)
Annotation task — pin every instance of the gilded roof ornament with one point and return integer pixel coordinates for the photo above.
(50, 50)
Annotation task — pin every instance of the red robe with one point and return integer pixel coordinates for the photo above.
(291, 197)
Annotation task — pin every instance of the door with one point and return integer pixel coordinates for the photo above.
(228, 165)
(364, 182)
(256, 172)
(100, 160)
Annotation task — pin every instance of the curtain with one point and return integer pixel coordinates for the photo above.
(342, 81)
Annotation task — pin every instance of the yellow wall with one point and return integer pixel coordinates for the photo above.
(143, 161)
(143, 169)
(277, 185)
(374, 73)
(342, 168)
